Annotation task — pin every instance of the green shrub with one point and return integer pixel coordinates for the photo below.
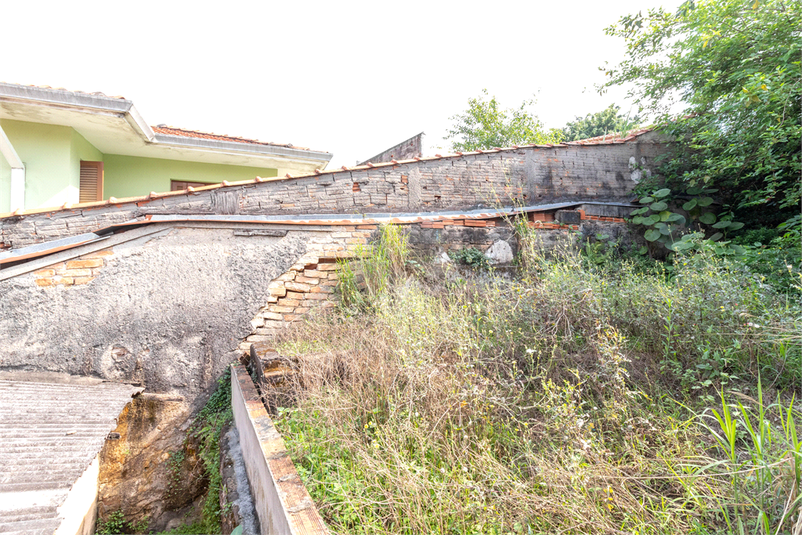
(470, 256)
(542, 404)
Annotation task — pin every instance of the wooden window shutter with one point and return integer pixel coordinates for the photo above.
(91, 182)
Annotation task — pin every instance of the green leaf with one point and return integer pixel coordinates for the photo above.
(661, 193)
(651, 220)
(708, 218)
(722, 224)
(637, 220)
(736, 225)
(658, 206)
(690, 205)
(705, 201)
(665, 230)
(682, 245)
(646, 200)
(694, 191)
(678, 218)
(643, 250)
(640, 211)
(652, 235)
(738, 249)
(665, 215)
(717, 236)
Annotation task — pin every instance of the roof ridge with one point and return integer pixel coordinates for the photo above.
(187, 132)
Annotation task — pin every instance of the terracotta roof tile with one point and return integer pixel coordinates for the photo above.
(182, 132)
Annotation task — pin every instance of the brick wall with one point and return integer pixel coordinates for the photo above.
(82, 270)
(309, 284)
(528, 175)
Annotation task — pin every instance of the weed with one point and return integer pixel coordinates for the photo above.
(546, 404)
(470, 256)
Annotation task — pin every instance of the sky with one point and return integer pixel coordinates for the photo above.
(350, 78)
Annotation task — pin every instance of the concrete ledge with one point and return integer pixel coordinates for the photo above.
(282, 502)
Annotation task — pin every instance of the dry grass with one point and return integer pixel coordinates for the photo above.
(445, 404)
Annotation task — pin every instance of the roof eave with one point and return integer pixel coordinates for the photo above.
(240, 148)
(63, 98)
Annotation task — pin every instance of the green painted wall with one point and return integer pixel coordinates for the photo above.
(46, 151)
(80, 149)
(52, 156)
(5, 186)
(130, 176)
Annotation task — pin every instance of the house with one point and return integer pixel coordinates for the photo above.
(64, 147)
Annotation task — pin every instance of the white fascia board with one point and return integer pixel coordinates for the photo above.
(103, 105)
(138, 123)
(59, 97)
(241, 148)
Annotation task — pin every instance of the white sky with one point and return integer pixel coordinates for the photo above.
(351, 78)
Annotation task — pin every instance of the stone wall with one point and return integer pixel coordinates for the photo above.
(524, 176)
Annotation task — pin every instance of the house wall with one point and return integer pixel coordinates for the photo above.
(129, 176)
(47, 152)
(5, 186)
(52, 156)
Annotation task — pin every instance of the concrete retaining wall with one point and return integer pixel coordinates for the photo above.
(282, 502)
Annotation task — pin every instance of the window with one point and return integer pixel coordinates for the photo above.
(176, 185)
(91, 188)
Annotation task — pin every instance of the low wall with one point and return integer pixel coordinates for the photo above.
(79, 510)
(282, 502)
(524, 176)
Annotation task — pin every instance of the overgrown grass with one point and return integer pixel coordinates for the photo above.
(576, 399)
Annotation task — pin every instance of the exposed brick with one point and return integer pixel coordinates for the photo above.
(272, 316)
(291, 317)
(279, 308)
(322, 289)
(279, 291)
(289, 302)
(66, 281)
(295, 295)
(317, 296)
(302, 310)
(45, 273)
(80, 264)
(326, 267)
(83, 280)
(44, 282)
(297, 286)
(313, 273)
(78, 272)
(99, 254)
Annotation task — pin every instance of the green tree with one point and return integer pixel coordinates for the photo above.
(601, 123)
(733, 66)
(484, 125)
